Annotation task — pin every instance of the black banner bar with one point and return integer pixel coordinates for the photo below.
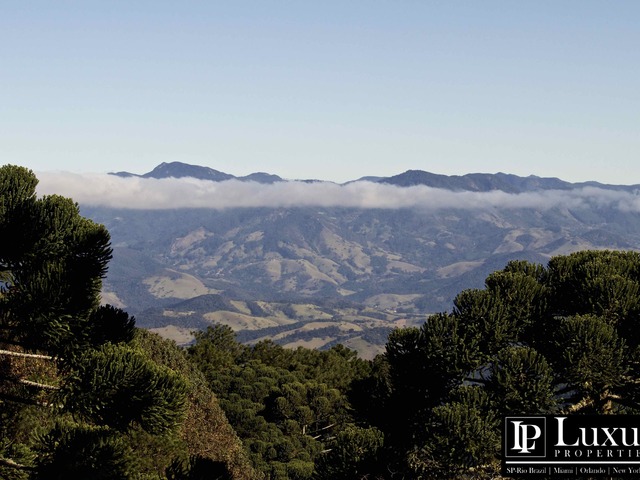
(571, 445)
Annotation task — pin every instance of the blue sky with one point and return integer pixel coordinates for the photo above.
(332, 90)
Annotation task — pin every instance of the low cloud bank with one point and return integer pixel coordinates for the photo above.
(147, 193)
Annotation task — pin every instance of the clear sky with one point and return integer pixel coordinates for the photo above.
(326, 89)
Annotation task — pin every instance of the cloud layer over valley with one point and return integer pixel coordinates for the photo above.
(148, 193)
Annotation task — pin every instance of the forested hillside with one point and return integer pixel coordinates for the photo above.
(84, 394)
(536, 339)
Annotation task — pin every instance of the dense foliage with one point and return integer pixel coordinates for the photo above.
(81, 395)
(290, 407)
(536, 340)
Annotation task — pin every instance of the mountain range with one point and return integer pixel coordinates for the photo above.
(473, 182)
(316, 276)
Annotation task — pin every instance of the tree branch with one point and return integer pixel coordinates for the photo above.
(26, 355)
(12, 398)
(30, 383)
(7, 462)
(576, 407)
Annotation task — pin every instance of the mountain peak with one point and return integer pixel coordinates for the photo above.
(181, 170)
(261, 177)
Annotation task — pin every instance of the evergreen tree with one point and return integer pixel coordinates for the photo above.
(352, 454)
(61, 352)
(52, 268)
(117, 386)
(288, 406)
(535, 340)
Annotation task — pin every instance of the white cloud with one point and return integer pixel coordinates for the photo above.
(143, 193)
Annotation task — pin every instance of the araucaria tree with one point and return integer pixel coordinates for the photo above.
(556, 339)
(72, 391)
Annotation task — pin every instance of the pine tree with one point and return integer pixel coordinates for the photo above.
(63, 353)
(535, 340)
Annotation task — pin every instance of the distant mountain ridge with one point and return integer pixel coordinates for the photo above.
(472, 182)
(182, 170)
(477, 182)
(315, 276)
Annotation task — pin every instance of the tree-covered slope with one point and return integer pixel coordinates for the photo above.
(84, 395)
(559, 338)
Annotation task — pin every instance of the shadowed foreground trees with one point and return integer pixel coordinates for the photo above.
(66, 368)
(535, 340)
(80, 395)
